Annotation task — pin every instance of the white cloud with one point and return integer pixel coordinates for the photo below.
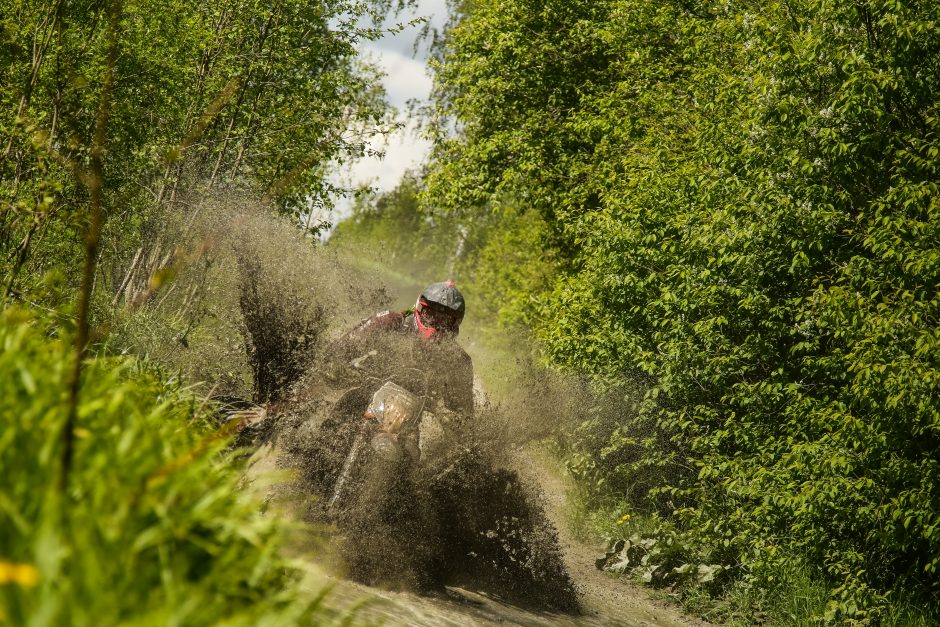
(403, 151)
(406, 78)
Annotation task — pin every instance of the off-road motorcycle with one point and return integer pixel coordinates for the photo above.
(417, 497)
(390, 433)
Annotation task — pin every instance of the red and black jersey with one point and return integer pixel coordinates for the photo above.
(382, 322)
(450, 366)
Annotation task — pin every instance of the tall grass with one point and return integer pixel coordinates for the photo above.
(154, 528)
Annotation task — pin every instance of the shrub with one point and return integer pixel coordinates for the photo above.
(154, 528)
(743, 207)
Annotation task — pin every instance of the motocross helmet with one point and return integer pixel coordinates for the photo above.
(439, 311)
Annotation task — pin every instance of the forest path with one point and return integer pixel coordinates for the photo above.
(605, 599)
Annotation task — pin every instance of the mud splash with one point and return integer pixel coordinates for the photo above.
(208, 324)
(605, 600)
(459, 518)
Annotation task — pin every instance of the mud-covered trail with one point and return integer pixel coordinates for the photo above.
(606, 600)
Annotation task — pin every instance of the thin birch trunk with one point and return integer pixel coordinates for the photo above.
(127, 277)
(92, 242)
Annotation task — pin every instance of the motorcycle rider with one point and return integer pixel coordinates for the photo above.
(435, 320)
(385, 494)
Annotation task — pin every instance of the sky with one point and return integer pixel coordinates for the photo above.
(406, 78)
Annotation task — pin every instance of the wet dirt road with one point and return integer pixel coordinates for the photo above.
(606, 600)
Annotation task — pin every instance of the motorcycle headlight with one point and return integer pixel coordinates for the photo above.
(395, 407)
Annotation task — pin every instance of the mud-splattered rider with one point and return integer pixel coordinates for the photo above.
(435, 319)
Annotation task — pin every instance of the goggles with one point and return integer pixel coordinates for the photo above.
(433, 318)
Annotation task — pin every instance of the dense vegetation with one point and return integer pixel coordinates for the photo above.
(157, 528)
(132, 108)
(121, 502)
(726, 214)
(732, 208)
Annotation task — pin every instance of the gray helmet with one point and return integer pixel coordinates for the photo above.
(439, 310)
(444, 294)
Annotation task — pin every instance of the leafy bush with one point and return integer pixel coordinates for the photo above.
(742, 207)
(155, 526)
(153, 101)
(389, 229)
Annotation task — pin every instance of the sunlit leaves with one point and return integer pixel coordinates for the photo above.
(263, 98)
(745, 217)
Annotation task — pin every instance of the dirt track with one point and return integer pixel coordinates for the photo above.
(606, 600)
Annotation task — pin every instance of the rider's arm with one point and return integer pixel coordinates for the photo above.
(380, 322)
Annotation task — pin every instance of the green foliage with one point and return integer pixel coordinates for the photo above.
(250, 96)
(498, 258)
(390, 229)
(123, 113)
(156, 527)
(740, 204)
(505, 263)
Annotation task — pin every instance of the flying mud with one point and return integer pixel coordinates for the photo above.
(253, 314)
(452, 515)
